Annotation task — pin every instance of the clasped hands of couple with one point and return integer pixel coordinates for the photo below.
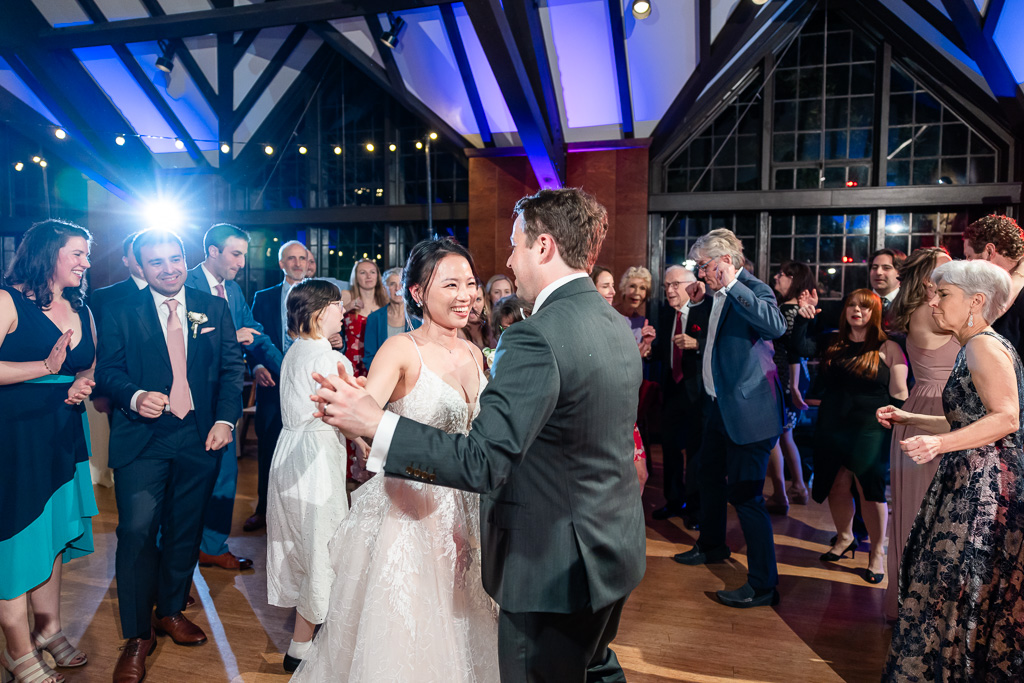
(343, 402)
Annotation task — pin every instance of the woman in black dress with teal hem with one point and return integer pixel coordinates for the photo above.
(961, 578)
(47, 355)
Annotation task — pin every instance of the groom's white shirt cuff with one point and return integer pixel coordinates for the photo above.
(382, 442)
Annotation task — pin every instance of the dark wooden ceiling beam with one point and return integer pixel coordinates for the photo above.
(615, 19)
(95, 14)
(547, 157)
(267, 75)
(466, 72)
(378, 75)
(220, 20)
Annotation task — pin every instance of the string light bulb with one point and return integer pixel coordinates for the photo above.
(392, 147)
(268, 150)
(225, 148)
(337, 150)
(419, 145)
(302, 149)
(642, 8)
(119, 141)
(178, 144)
(369, 147)
(60, 133)
(18, 166)
(36, 159)
(432, 136)
(42, 163)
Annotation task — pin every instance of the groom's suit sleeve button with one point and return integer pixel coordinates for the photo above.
(408, 470)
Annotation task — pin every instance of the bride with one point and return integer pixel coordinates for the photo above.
(407, 602)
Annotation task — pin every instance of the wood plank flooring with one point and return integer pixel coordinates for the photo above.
(828, 626)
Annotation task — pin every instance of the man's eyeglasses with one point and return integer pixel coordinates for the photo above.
(673, 285)
(703, 265)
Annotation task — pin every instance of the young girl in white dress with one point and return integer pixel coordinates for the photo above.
(408, 603)
(306, 492)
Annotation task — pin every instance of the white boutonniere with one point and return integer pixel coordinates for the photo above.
(489, 355)
(196, 319)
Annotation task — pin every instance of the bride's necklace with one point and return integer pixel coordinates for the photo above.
(449, 350)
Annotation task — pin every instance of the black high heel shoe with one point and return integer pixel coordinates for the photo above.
(873, 578)
(832, 557)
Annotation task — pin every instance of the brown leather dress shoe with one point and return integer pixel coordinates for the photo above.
(226, 560)
(255, 523)
(180, 629)
(131, 665)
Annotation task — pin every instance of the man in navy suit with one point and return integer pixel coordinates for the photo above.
(682, 332)
(742, 414)
(171, 363)
(226, 247)
(268, 308)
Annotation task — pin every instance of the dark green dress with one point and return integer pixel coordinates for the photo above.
(848, 434)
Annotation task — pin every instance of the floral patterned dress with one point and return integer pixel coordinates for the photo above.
(961, 615)
(354, 332)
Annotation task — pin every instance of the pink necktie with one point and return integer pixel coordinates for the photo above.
(219, 291)
(181, 402)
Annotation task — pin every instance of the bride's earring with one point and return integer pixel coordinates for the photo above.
(970, 320)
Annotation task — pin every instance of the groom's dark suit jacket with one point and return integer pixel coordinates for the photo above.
(552, 452)
(133, 356)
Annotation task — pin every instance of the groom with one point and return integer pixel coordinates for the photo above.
(551, 450)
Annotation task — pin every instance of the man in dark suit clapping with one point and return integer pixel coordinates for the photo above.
(742, 414)
(170, 362)
(682, 331)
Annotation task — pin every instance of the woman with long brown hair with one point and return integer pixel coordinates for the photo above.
(932, 352)
(861, 370)
(367, 288)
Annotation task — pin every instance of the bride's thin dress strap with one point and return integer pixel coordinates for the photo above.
(417, 347)
(473, 356)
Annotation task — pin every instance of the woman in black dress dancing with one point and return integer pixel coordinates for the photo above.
(960, 583)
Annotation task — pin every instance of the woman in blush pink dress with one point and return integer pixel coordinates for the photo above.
(932, 352)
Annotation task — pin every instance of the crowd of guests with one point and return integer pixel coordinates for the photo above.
(917, 443)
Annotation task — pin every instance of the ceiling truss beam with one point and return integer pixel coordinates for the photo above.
(546, 156)
(220, 20)
(374, 72)
(462, 61)
(621, 66)
(267, 75)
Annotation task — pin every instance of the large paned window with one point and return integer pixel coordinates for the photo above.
(725, 156)
(686, 228)
(824, 110)
(929, 144)
(836, 246)
(816, 119)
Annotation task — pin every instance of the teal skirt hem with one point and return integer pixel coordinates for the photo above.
(64, 526)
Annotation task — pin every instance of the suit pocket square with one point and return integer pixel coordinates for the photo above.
(207, 329)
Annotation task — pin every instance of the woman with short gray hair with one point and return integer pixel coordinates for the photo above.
(959, 583)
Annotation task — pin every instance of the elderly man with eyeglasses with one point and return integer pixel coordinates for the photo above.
(742, 414)
(682, 330)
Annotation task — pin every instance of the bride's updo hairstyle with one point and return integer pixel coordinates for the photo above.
(419, 269)
(305, 302)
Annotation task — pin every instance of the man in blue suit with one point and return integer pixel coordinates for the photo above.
(226, 247)
(742, 414)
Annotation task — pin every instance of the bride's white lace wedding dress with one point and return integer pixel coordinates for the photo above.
(407, 602)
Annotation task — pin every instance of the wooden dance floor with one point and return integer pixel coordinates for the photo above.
(828, 627)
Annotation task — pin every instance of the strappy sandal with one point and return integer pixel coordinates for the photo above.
(63, 652)
(28, 669)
